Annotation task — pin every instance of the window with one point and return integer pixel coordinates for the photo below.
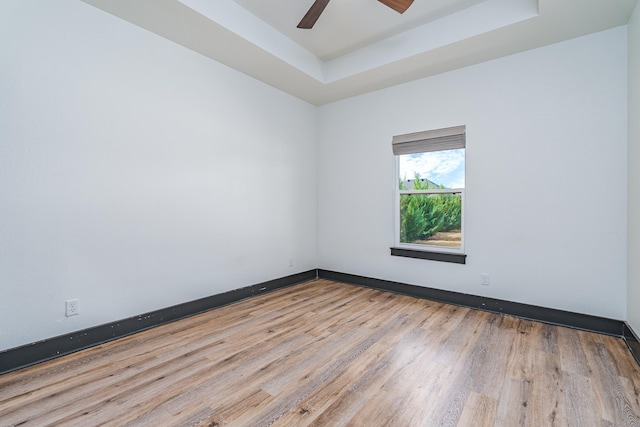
(429, 202)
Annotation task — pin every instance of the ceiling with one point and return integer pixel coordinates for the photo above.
(348, 25)
(358, 46)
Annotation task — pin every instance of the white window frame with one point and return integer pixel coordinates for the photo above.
(398, 193)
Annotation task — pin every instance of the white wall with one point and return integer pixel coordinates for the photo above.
(633, 260)
(546, 176)
(135, 174)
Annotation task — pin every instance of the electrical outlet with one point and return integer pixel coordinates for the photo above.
(484, 279)
(71, 307)
(290, 262)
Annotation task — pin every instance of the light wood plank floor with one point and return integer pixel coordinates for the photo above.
(330, 354)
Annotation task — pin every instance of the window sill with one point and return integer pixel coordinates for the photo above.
(430, 255)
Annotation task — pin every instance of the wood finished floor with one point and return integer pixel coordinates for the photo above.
(330, 354)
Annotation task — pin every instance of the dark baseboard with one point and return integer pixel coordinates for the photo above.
(30, 354)
(632, 340)
(585, 322)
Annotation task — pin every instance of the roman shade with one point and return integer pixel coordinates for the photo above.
(431, 140)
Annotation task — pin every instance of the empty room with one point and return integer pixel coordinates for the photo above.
(330, 213)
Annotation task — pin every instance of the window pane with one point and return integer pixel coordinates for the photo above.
(438, 169)
(431, 219)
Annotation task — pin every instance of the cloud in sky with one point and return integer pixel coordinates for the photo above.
(442, 167)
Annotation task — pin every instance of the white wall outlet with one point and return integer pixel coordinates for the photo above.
(71, 307)
(290, 262)
(484, 279)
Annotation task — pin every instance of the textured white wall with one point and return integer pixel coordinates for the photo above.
(136, 174)
(546, 189)
(633, 260)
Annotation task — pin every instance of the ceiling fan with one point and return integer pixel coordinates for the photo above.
(318, 6)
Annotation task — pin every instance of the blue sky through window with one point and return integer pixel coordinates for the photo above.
(441, 167)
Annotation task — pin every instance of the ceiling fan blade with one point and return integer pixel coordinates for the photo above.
(398, 5)
(313, 14)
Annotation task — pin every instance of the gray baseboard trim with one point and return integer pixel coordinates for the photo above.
(632, 340)
(31, 354)
(569, 319)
